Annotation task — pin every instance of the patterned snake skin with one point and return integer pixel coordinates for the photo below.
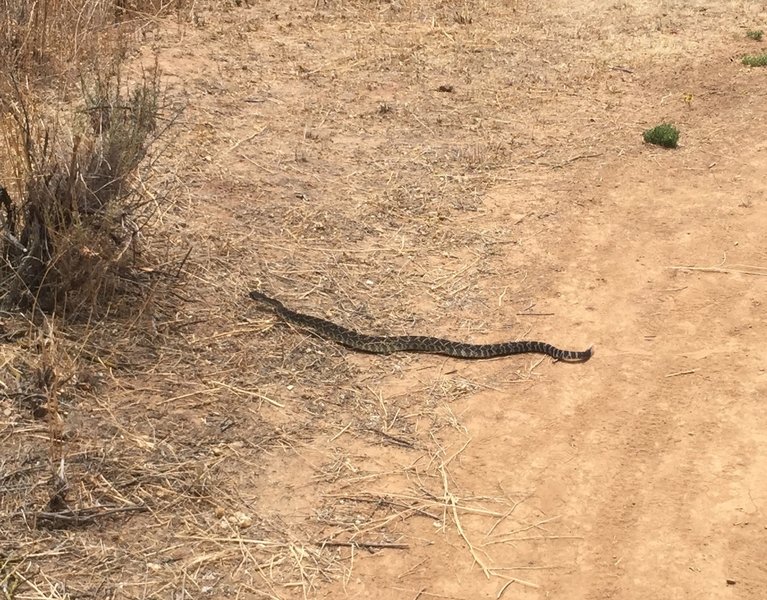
(414, 343)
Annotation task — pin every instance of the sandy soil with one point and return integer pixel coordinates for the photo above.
(322, 161)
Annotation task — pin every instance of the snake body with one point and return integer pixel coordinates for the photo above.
(377, 344)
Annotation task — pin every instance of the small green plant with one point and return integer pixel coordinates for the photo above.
(755, 34)
(665, 135)
(755, 60)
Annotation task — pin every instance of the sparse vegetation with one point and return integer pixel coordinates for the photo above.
(665, 135)
(755, 34)
(69, 205)
(463, 18)
(755, 60)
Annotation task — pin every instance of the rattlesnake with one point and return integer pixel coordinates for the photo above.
(377, 344)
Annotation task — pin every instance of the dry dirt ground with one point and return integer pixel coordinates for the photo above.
(472, 170)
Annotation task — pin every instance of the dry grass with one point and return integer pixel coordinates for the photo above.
(82, 263)
(75, 134)
(116, 463)
(189, 445)
(75, 209)
(58, 40)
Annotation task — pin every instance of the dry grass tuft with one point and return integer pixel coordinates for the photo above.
(73, 209)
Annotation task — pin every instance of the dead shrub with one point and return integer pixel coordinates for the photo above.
(72, 212)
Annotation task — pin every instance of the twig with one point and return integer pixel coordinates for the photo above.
(515, 580)
(340, 433)
(242, 141)
(370, 545)
(452, 501)
(189, 395)
(86, 515)
(16, 243)
(574, 158)
(386, 501)
(424, 592)
(394, 439)
(759, 272)
(231, 333)
(690, 372)
(183, 262)
(499, 520)
(424, 125)
(237, 390)
(317, 543)
(527, 538)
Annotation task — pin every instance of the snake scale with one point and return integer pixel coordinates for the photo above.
(377, 344)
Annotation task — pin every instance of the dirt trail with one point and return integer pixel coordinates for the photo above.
(648, 459)
(645, 464)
